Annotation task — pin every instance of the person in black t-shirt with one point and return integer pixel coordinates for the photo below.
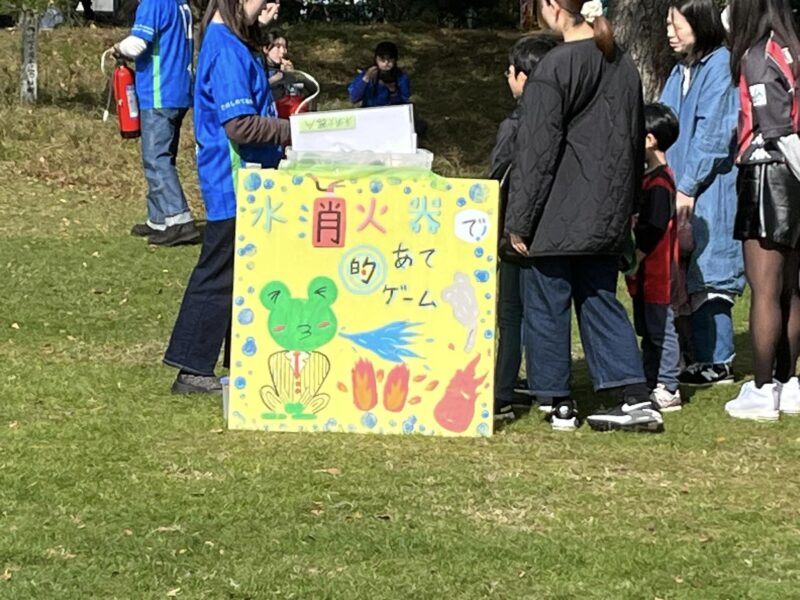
(575, 176)
(765, 59)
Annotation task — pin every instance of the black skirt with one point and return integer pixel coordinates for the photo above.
(769, 205)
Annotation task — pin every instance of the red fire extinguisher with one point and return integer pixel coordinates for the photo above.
(124, 92)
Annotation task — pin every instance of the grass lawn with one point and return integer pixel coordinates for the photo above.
(112, 488)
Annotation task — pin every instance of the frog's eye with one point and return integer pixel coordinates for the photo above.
(279, 328)
(324, 324)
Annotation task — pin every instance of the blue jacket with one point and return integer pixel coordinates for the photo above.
(703, 160)
(377, 94)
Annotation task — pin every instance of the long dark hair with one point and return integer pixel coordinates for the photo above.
(233, 16)
(706, 21)
(603, 33)
(754, 20)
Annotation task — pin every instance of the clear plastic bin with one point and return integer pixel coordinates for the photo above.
(423, 159)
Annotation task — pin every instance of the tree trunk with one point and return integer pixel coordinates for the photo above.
(641, 27)
(29, 26)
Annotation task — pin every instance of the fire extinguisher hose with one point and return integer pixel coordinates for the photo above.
(107, 111)
(312, 96)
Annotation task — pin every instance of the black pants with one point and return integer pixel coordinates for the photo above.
(204, 320)
(509, 347)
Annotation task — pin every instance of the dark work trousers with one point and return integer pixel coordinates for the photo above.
(204, 320)
(509, 320)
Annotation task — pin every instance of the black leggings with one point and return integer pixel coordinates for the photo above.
(772, 272)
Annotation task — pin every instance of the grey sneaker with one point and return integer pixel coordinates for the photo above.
(665, 400)
(185, 233)
(187, 383)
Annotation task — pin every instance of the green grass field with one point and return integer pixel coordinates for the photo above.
(112, 488)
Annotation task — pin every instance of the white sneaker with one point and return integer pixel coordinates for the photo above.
(665, 400)
(758, 404)
(790, 397)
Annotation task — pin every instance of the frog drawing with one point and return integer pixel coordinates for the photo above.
(300, 326)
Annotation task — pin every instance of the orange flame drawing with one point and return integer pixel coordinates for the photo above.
(456, 409)
(365, 386)
(395, 391)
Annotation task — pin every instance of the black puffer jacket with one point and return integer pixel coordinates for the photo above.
(579, 153)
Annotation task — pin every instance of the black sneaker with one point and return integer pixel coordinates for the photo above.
(185, 233)
(521, 403)
(186, 383)
(504, 413)
(564, 416)
(143, 230)
(700, 374)
(641, 416)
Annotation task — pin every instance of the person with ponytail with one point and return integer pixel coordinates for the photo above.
(236, 124)
(701, 92)
(765, 60)
(576, 173)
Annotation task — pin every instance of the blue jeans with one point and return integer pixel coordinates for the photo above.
(204, 320)
(712, 325)
(550, 288)
(509, 320)
(161, 132)
(655, 324)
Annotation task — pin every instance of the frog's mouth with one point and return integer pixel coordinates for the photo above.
(305, 331)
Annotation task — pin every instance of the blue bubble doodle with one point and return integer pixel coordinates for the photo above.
(369, 420)
(297, 180)
(253, 182)
(239, 301)
(479, 193)
(478, 252)
(409, 424)
(240, 383)
(482, 276)
(249, 347)
(246, 316)
(269, 184)
(375, 187)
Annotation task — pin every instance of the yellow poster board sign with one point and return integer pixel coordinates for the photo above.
(364, 304)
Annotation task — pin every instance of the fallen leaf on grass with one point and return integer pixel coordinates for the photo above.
(331, 471)
(384, 517)
(174, 592)
(7, 574)
(15, 326)
(168, 529)
(13, 425)
(127, 532)
(60, 552)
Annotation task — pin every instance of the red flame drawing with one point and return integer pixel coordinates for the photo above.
(395, 391)
(365, 386)
(456, 409)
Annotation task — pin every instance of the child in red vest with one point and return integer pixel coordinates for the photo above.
(652, 285)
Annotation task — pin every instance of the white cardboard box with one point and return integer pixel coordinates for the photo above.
(388, 129)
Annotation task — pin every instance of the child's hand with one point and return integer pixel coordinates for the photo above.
(270, 13)
(371, 74)
(518, 244)
(684, 205)
(286, 65)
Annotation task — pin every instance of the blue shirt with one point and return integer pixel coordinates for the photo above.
(164, 69)
(231, 82)
(376, 93)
